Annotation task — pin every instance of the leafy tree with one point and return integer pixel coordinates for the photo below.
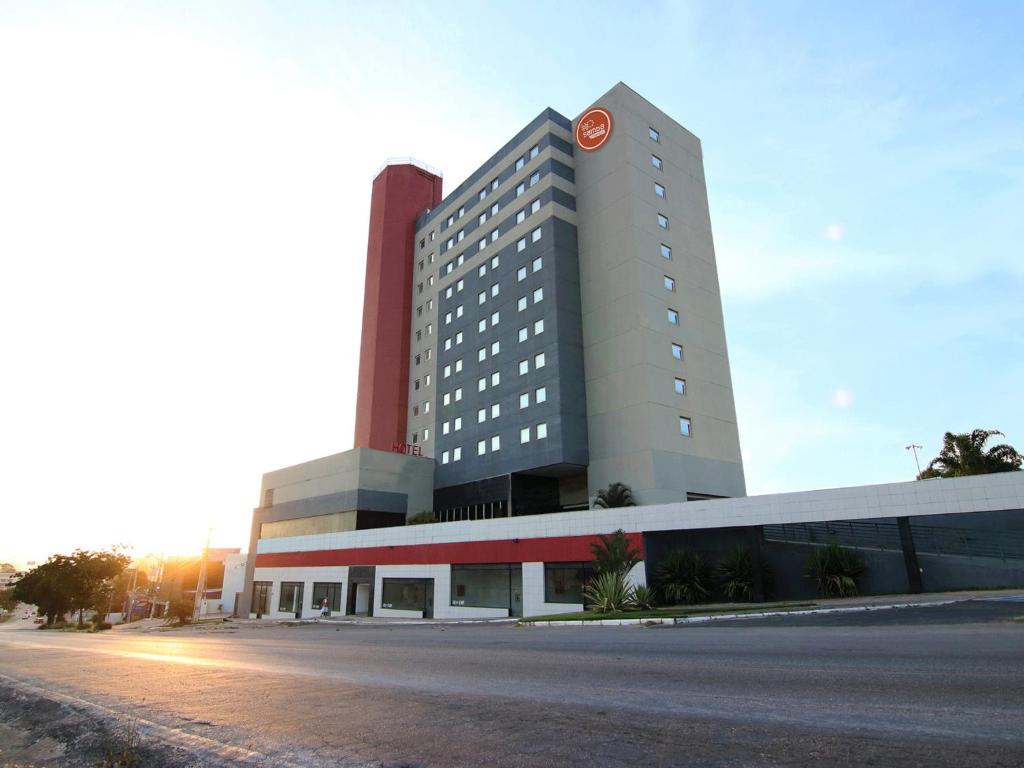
(614, 553)
(683, 577)
(93, 579)
(614, 496)
(79, 581)
(7, 600)
(835, 570)
(48, 587)
(426, 516)
(964, 454)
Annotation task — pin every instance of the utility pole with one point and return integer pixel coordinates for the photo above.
(201, 583)
(155, 593)
(914, 447)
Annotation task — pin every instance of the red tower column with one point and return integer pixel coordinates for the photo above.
(400, 194)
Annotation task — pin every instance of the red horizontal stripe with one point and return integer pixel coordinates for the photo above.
(548, 550)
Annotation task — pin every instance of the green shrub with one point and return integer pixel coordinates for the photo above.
(682, 577)
(608, 592)
(614, 553)
(735, 575)
(643, 597)
(835, 570)
(426, 516)
(181, 611)
(98, 625)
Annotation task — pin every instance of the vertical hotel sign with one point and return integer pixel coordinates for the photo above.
(593, 129)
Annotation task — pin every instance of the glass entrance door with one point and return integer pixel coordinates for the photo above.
(261, 598)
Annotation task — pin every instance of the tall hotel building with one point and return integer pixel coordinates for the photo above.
(550, 326)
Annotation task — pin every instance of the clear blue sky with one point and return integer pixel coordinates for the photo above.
(183, 212)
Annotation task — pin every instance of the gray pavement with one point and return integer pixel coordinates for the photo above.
(930, 686)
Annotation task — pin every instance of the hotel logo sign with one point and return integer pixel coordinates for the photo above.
(593, 129)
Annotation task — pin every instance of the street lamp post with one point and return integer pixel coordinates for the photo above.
(914, 448)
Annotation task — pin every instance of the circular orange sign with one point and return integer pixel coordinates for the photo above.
(593, 129)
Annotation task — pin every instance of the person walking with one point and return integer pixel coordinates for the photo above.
(325, 611)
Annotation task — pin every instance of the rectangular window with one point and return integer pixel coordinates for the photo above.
(534, 151)
(673, 317)
(495, 410)
(524, 367)
(426, 434)
(481, 244)
(405, 594)
(538, 295)
(444, 457)
(458, 312)
(494, 236)
(539, 360)
(426, 380)
(495, 379)
(521, 245)
(481, 384)
(536, 235)
(680, 386)
(481, 447)
(462, 259)
(541, 395)
(520, 163)
(677, 351)
(656, 162)
(481, 354)
(655, 136)
(495, 289)
(448, 292)
(663, 221)
(684, 426)
(448, 343)
(564, 582)
(426, 406)
(417, 359)
(483, 194)
(524, 400)
(291, 597)
(457, 454)
(538, 327)
(542, 430)
(522, 303)
(458, 338)
(535, 206)
(462, 212)
(447, 318)
(481, 270)
(451, 220)
(520, 189)
(495, 443)
(458, 422)
(670, 283)
(524, 435)
(481, 416)
(538, 263)
(416, 410)
(481, 218)
(416, 384)
(419, 335)
(523, 334)
(521, 273)
(458, 365)
(482, 325)
(666, 252)
(495, 348)
(430, 326)
(495, 317)
(419, 288)
(482, 297)
(494, 209)
(460, 285)
(659, 190)
(494, 184)
(494, 261)
(444, 428)
(534, 178)
(446, 372)
(521, 216)
(485, 586)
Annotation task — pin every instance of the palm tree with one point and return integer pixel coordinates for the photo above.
(615, 495)
(965, 454)
(614, 553)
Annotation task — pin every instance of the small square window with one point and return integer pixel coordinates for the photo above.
(535, 206)
(680, 386)
(536, 234)
(663, 221)
(542, 431)
(523, 334)
(494, 262)
(684, 426)
(534, 151)
(541, 395)
(521, 245)
(538, 262)
(538, 295)
(444, 457)
(659, 190)
(522, 303)
(677, 351)
(534, 178)
(495, 410)
(524, 400)
(481, 415)
(539, 360)
(670, 283)
(520, 163)
(456, 454)
(538, 327)
(524, 435)
(481, 447)
(655, 136)
(495, 443)
(673, 317)
(656, 162)
(521, 273)
(666, 252)
(524, 367)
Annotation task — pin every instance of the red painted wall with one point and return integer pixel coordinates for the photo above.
(400, 193)
(554, 549)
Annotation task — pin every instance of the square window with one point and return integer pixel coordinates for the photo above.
(659, 190)
(680, 386)
(673, 317)
(538, 327)
(684, 426)
(444, 457)
(495, 379)
(542, 430)
(520, 163)
(494, 262)
(495, 410)
(524, 400)
(520, 189)
(538, 295)
(456, 454)
(535, 206)
(534, 151)
(524, 435)
(524, 367)
(670, 283)
(663, 221)
(655, 136)
(539, 360)
(495, 289)
(481, 447)
(534, 178)
(481, 416)
(677, 351)
(521, 217)
(538, 262)
(482, 325)
(666, 252)
(495, 317)
(481, 354)
(481, 384)
(535, 236)
(523, 334)
(495, 348)
(496, 443)
(458, 424)
(541, 395)
(521, 273)
(481, 270)
(522, 303)
(656, 162)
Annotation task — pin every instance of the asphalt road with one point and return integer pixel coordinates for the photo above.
(918, 686)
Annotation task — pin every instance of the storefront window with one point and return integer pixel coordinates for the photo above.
(486, 586)
(329, 591)
(406, 594)
(563, 582)
(291, 597)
